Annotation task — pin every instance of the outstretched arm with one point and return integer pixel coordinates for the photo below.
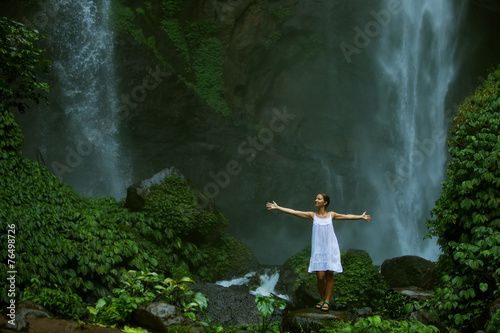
(363, 216)
(305, 215)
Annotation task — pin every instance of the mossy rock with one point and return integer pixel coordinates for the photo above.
(229, 257)
(360, 285)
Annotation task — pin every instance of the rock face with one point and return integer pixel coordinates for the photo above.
(409, 271)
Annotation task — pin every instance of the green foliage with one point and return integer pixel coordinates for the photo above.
(300, 264)
(266, 307)
(83, 244)
(124, 20)
(467, 215)
(199, 52)
(361, 284)
(397, 306)
(21, 63)
(64, 304)
(136, 288)
(376, 324)
(494, 324)
(11, 138)
(202, 55)
(227, 255)
(179, 293)
(173, 205)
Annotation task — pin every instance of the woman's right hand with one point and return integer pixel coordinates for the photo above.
(272, 205)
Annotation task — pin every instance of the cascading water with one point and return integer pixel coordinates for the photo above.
(415, 66)
(86, 92)
(368, 127)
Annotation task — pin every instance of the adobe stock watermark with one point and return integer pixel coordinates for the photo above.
(247, 149)
(122, 109)
(371, 30)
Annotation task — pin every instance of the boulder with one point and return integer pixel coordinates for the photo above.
(428, 319)
(24, 312)
(161, 317)
(309, 320)
(408, 271)
(137, 193)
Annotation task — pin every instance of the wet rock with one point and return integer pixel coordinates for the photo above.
(308, 320)
(159, 317)
(23, 313)
(409, 271)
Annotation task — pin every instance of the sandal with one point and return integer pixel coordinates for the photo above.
(320, 304)
(325, 306)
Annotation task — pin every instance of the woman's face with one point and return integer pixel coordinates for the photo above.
(319, 201)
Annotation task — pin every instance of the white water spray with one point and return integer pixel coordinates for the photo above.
(85, 73)
(416, 66)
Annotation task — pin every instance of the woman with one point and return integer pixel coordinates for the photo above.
(325, 252)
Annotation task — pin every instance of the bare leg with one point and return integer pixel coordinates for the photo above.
(321, 287)
(328, 286)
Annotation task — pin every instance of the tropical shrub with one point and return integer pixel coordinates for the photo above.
(397, 306)
(173, 205)
(21, 64)
(467, 215)
(377, 324)
(180, 294)
(63, 240)
(135, 289)
(11, 138)
(267, 306)
(361, 283)
(63, 304)
(228, 256)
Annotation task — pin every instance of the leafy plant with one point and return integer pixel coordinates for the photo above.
(21, 64)
(361, 284)
(467, 215)
(136, 289)
(376, 324)
(267, 306)
(397, 305)
(64, 304)
(179, 293)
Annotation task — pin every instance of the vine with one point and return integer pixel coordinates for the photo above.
(467, 215)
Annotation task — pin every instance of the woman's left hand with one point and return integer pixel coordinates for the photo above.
(366, 217)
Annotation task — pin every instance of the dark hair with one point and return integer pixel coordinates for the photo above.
(326, 198)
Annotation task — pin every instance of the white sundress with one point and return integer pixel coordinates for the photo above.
(325, 251)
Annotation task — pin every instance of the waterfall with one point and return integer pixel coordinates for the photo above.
(86, 94)
(267, 280)
(415, 65)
